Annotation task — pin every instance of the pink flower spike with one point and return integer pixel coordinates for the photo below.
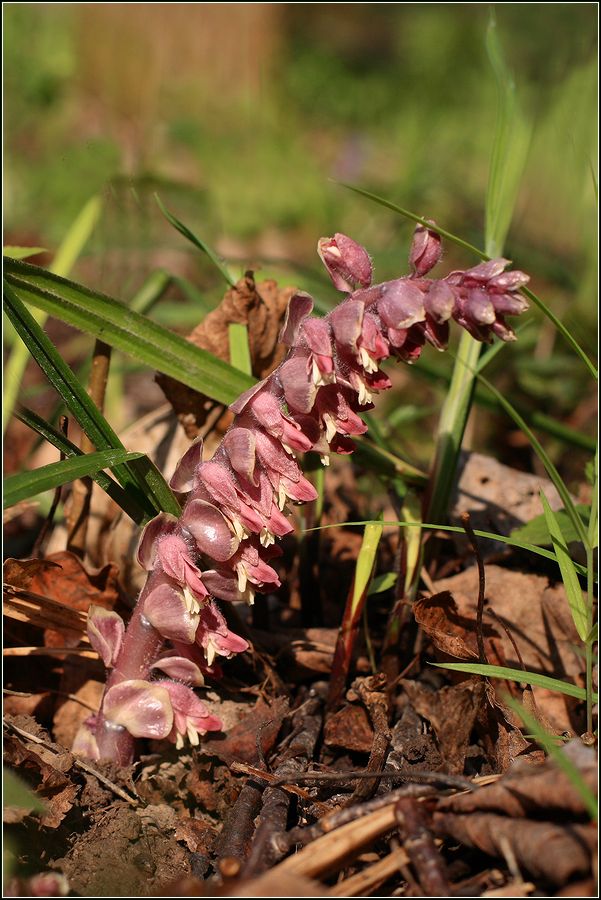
(191, 717)
(182, 479)
(214, 636)
(144, 709)
(426, 249)
(209, 528)
(181, 668)
(167, 610)
(347, 262)
(299, 307)
(105, 631)
(162, 524)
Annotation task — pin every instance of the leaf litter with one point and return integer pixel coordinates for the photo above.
(419, 785)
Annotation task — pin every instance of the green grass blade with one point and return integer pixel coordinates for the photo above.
(455, 239)
(183, 229)
(151, 291)
(544, 458)
(132, 475)
(536, 532)
(239, 348)
(22, 252)
(55, 437)
(27, 484)
(549, 743)
(382, 583)
(128, 331)
(576, 601)
(510, 148)
(510, 541)
(366, 560)
(71, 246)
(544, 681)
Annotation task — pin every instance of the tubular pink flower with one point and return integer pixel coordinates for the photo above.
(224, 542)
(191, 718)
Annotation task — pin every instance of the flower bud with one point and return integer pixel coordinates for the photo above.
(105, 631)
(426, 250)
(347, 262)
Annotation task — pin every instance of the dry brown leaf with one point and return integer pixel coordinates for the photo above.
(49, 767)
(261, 307)
(62, 577)
(554, 853)
(260, 722)
(538, 617)
(350, 729)
(450, 632)
(452, 712)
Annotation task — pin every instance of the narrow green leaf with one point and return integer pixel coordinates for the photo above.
(568, 572)
(18, 794)
(593, 636)
(366, 560)
(544, 681)
(183, 229)
(544, 458)
(536, 532)
(22, 252)
(27, 484)
(128, 331)
(531, 548)
(66, 255)
(121, 497)
(133, 474)
(549, 743)
(151, 291)
(382, 583)
(510, 147)
(239, 348)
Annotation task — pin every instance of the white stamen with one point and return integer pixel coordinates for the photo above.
(282, 496)
(242, 577)
(210, 652)
(192, 604)
(179, 741)
(266, 537)
(325, 459)
(330, 426)
(193, 735)
(368, 363)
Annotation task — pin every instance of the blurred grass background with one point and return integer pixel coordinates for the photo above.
(243, 116)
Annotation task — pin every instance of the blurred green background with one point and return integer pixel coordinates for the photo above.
(243, 117)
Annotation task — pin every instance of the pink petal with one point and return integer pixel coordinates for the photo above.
(210, 530)
(143, 708)
(105, 631)
(240, 446)
(483, 272)
(299, 389)
(181, 668)
(439, 301)
(478, 307)
(223, 585)
(302, 490)
(85, 743)
(299, 307)
(508, 281)
(243, 400)
(346, 321)
(164, 523)
(401, 304)
(318, 336)
(219, 484)
(185, 703)
(165, 609)
(182, 479)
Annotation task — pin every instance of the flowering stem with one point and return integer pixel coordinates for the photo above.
(140, 648)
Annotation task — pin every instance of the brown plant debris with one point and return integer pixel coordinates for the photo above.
(261, 307)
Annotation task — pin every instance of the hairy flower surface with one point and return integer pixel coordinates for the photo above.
(225, 541)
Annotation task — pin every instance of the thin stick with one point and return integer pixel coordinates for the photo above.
(465, 521)
(79, 763)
